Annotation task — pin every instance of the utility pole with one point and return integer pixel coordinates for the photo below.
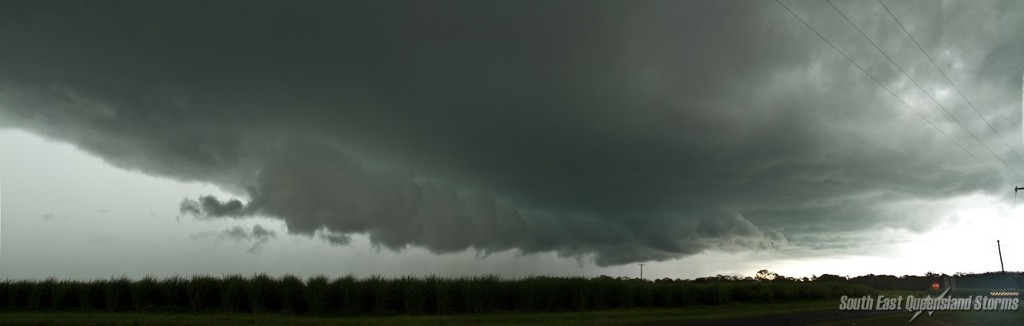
(1015, 190)
(1000, 248)
(642, 268)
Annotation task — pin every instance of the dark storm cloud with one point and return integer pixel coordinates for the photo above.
(629, 131)
(208, 205)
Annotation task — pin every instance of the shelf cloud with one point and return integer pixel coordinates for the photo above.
(619, 131)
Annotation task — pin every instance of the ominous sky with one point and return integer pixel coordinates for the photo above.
(608, 133)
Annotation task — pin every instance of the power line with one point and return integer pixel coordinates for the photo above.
(951, 83)
(893, 93)
(923, 89)
(926, 93)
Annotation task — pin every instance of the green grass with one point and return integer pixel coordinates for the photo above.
(968, 318)
(603, 317)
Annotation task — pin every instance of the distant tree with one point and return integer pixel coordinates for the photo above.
(829, 278)
(765, 275)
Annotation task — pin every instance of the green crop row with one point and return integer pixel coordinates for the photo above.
(407, 295)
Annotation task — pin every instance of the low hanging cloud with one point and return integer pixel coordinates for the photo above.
(321, 192)
(258, 235)
(621, 131)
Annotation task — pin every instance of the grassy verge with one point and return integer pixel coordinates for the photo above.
(605, 317)
(968, 318)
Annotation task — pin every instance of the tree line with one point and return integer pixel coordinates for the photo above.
(407, 295)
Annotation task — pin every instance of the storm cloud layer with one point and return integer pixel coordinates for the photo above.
(625, 131)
